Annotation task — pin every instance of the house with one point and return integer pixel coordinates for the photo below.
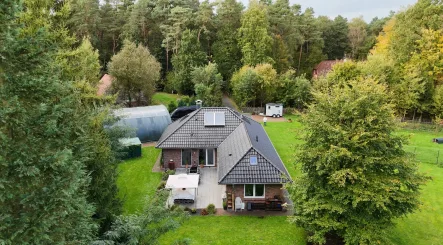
(237, 146)
(324, 67)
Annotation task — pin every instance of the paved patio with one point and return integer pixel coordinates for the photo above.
(209, 191)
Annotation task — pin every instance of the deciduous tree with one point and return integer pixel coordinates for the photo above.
(135, 72)
(356, 177)
(208, 85)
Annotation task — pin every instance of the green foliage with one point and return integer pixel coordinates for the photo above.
(172, 106)
(335, 36)
(135, 72)
(227, 53)
(208, 85)
(211, 209)
(356, 177)
(182, 241)
(357, 35)
(43, 179)
(147, 226)
(294, 91)
(187, 58)
(244, 84)
(253, 36)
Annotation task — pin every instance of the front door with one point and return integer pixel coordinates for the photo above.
(207, 157)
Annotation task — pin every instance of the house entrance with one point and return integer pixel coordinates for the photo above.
(206, 157)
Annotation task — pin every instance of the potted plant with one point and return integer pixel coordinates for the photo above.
(225, 205)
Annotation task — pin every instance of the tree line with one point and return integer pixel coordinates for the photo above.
(184, 35)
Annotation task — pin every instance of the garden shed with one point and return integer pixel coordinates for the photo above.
(148, 121)
(132, 147)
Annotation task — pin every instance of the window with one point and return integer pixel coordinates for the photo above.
(206, 157)
(253, 160)
(254, 191)
(186, 157)
(214, 119)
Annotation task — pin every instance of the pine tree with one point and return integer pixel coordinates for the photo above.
(43, 182)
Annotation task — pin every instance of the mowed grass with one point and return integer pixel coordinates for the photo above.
(136, 180)
(284, 137)
(161, 98)
(420, 143)
(237, 230)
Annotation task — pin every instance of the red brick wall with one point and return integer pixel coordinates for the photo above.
(175, 155)
(172, 154)
(271, 190)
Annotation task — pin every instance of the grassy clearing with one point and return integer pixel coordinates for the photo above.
(237, 230)
(284, 138)
(420, 143)
(136, 180)
(161, 98)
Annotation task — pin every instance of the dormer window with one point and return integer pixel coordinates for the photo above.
(214, 119)
(253, 160)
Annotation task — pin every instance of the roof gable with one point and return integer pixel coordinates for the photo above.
(245, 173)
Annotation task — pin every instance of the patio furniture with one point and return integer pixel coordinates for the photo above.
(238, 204)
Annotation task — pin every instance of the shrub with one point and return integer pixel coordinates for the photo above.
(172, 106)
(161, 185)
(173, 207)
(187, 209)
(204, 212)
(225, 205)
(166, 174)
(211, 209)
(193, 211)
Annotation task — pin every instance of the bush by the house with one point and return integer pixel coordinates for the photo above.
(166, 174)
(211, 209)
(172, 106)
(187, 209)
(193, 211)
(161, 185)
(204, 212)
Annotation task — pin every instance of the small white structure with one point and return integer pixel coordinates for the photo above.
(274, 110)
(183, 188)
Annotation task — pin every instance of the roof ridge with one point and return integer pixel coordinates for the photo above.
(192, 114)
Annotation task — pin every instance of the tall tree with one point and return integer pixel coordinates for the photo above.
(84, 17)
(356, 177)
(357, 34)
(189, 56)
(45, 184)
(135, 72)
(227, 53)
(208, 84)
(253, 35)
(335, 36)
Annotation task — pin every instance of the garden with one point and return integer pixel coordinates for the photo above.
(423, 227)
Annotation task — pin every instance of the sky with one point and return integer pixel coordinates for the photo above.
(352, 8)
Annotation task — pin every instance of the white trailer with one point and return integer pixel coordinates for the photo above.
(274, 110)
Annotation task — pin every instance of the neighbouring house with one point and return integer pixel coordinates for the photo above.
(324, 67)
(237, 146)
(104, 85)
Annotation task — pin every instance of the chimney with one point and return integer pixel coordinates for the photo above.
(198, 103)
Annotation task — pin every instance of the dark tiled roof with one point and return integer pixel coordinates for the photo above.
(190, 131)
(233, 157)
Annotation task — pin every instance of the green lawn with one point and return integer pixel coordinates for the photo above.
(284, 138)
(164, 98)
(136, 180)
(237, 230)
(421, 144)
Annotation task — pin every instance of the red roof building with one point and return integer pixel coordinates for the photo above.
(324, 67)
(104, 85)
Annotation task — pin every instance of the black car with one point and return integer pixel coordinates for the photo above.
(182, 111)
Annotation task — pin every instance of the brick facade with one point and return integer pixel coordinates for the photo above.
(176, 157)
(271, 190)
